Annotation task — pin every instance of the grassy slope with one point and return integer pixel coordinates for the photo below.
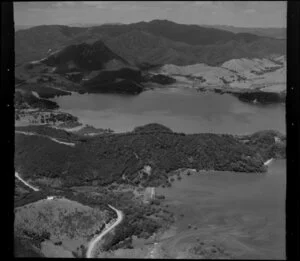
(60, 221)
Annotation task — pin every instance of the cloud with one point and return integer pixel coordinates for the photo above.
(209, 4)
(169, 8)
(135, 7)
(250, 11)
(94, 4)
(69, 3)
(35, 9)
(204, 3)
(63, 4)
(173, 3)
(59, 4)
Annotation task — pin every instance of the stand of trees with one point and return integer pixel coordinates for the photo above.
(107, 158)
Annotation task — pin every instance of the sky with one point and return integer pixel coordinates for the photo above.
(235, 13)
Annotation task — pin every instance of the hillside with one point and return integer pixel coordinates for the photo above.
(268, 75)
(155, 42)
(141, 47)
(108, 158)
(22, 27)
(84, 57)
(190, 34)
(125, 80)
(278, 33)
(95, 59)
(46, 225)
(81, 67)
(34, 43)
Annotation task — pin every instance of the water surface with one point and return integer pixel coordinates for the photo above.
(244, 210)
(181, 109)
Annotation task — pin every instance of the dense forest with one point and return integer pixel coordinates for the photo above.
(121, 157)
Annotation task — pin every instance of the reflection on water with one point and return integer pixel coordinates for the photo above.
(181, 109)
(250, 208)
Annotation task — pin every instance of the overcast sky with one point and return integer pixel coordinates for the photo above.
(239, 13)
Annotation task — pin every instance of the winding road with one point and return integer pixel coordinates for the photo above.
(94, 241)
(268, 162)
(45, 136)
(24, 182)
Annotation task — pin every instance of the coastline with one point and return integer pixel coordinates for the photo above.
(80, 129)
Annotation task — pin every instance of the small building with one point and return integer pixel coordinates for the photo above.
(147, 169)
(277, 139)
(149, 194)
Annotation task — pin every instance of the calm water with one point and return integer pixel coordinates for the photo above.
(244, 211)
(247, 208)
(181, 109)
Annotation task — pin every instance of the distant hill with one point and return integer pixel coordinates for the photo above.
(278, 33)
(190, 34)
(88, 24)
(155, 42)
(22, 27)
(34, 43)
(84, 57)
(266, 74)
(143, 47)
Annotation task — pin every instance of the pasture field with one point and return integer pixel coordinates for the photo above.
(59, 225)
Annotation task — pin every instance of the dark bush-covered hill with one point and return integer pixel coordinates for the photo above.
(84, 67)
(152, 127)
(119, 157)
(190, 34)
(125, 80)
(140, 47)
(82, 57)
(270, 143)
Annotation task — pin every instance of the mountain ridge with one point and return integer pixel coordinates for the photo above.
(274, 32)
(34, 43)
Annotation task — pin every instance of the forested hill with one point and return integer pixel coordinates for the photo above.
(120, 157)
(157, 42)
